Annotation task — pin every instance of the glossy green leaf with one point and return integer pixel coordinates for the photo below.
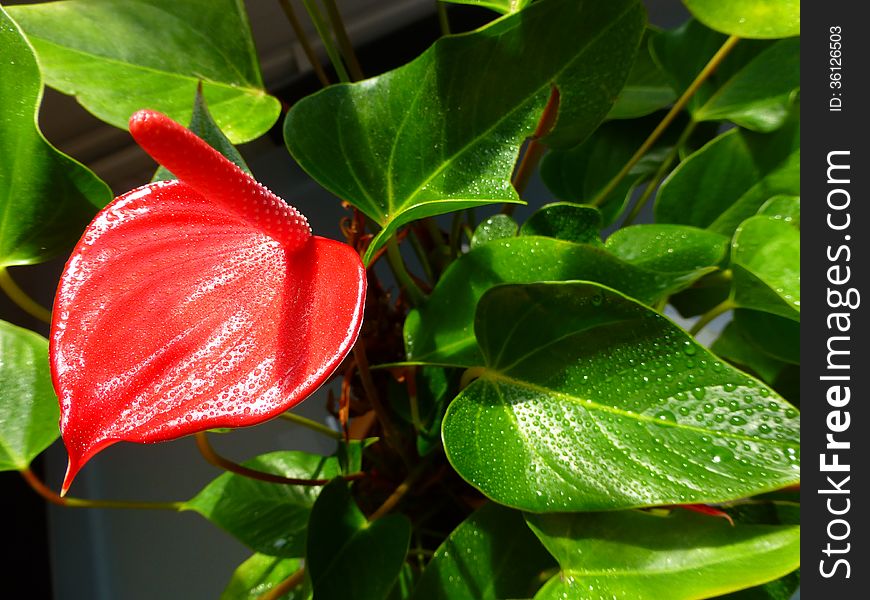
(783, 588)
(258, 575)
(500, 6)
(753, 87)
(578, 174)
(683, 556)
(492, 228)
(591, 401)
(404, 586)
(350, 454)
(267, 517)
(647, 88)
(667, 248)
(407, 144)
(787, 208)
(204, 126)
(765, 259)
(737, 348)
(46, 198)
(578, 223)
(441, 330)
(749, 18)
(117, 57)
(490, 555)
(28, 406)
(777, 336)
(748, 169)
(349, 558)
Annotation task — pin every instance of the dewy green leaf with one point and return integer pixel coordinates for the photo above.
(117, 57)
(749, 18)
(504, 7)
(267, 517)
(341, 542)
(441, 331)
(496, 227)
(258, 575)
(28, 405)
(753, 87)
(736, 347)
(203, 125)
(748, 169)
(783, 588)
(442, 133)
(609, 405)
(490, 555)
(777, 336)
(580, 223)
(647, 88)
(667, 248)
(683, 556)
(46, 198)
(765, 258)
(787, 208)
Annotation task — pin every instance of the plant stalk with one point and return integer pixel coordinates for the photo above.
(51, 496)
(443, 20)
(312, 425)
(285, 586)
(344, 43)
(678, 106)
(21, 299)
(394, 258)
(209, 453)
(711, 314)
(325, 37)
(399, 493)
(304, 41)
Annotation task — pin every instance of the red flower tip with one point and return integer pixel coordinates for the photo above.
(195, 304)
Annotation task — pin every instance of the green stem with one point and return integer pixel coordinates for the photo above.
(678, 106)
(312, 425)
(659, 175)
(420, 251)
(302, 36)
(394, 258)
(209, 453)
(325, 37)
(344, 43)
(21, 299)
(443, 21)
(711, 314)
(280, 590)
(51, 496)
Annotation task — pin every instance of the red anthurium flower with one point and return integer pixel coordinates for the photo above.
(194, 304)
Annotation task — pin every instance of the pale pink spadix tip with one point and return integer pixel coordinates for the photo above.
(216, 178)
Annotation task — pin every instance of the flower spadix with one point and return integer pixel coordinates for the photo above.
(193, 304)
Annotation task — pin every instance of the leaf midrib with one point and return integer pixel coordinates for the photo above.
(497, 377)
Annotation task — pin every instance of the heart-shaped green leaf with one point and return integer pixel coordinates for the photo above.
(258, 575)
(46, 198)
(578, 223)
(682, 556)
(117, 57)
(500, 6)
(667, 248)
(441, 331)
(749, 18)
(765, 259)
(492, 228)
(490, 555)
(753, 86)
(609, 405)
(647, 88)
(748, 169)
(787, 208)
(267, 517)
(442, 133)
(28, 405)
(341, 541)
